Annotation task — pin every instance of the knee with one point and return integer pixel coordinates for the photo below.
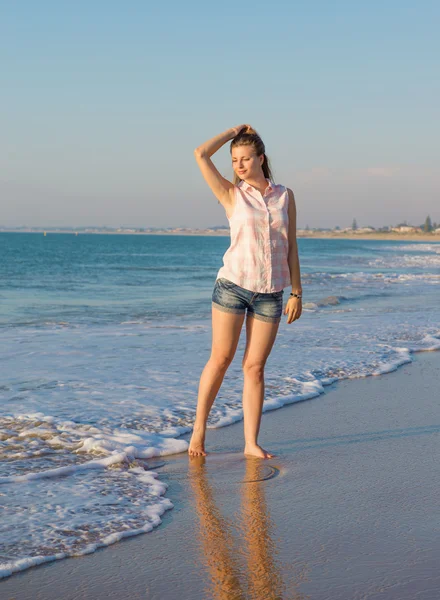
(221, 361)
(254, 369)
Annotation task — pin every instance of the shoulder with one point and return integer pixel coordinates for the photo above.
(291, 197)
(292, 205)
(282, 189)
(290, 194)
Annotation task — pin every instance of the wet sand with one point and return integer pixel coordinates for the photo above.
(348, 510)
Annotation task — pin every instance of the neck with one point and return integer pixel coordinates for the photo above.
(258, 182)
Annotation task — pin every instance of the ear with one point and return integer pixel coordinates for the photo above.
(261, 159)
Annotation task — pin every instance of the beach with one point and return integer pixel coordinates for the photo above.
(103, 342)
(347, 510)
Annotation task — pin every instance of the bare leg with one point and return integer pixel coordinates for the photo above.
(226, 328)
(260, 336)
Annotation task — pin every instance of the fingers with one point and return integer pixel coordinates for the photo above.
(242, 128)
(293, 310)
(239, 128)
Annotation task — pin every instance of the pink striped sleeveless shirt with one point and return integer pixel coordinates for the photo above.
(257, 258)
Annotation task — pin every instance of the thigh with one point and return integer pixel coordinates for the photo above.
(226, 329)
(260, 337)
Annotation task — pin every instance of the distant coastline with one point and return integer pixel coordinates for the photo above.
(224, 232)
(421, 237)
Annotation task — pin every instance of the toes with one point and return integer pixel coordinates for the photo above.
(196, 453)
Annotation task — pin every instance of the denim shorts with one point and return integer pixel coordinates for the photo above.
(230, 297)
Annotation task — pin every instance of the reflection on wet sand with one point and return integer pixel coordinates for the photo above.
(264, 580)
(232, 577)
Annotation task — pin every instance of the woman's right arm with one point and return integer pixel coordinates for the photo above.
(218, 184)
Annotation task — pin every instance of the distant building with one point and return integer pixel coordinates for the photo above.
(406, 229)
(365, 230)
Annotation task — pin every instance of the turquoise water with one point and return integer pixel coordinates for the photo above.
(99, 279)
(103, 340)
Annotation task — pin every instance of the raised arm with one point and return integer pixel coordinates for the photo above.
(219, 185)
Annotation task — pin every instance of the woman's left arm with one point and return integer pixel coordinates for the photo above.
(294, 305)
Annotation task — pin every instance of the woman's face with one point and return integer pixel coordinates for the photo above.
(245, 162)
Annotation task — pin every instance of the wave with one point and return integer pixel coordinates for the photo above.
(416, 247)
(88, 510)
(324, 302)
(407, 261)
(329, 301)
(380, 276)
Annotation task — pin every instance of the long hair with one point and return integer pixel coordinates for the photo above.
(249, 137)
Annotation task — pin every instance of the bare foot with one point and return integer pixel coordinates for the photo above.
(257, 451)
(197, 442)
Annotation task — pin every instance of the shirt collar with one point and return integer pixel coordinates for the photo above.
(249, 187)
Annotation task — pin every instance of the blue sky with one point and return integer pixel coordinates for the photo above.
(103, 103)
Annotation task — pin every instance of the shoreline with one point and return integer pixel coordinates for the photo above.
(376, 236)
(360, 445)
(422, 237)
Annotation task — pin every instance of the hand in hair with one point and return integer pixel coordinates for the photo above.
(240, 128)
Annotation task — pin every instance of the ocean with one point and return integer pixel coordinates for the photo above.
(103, 340)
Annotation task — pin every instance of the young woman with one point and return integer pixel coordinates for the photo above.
(261, 261)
